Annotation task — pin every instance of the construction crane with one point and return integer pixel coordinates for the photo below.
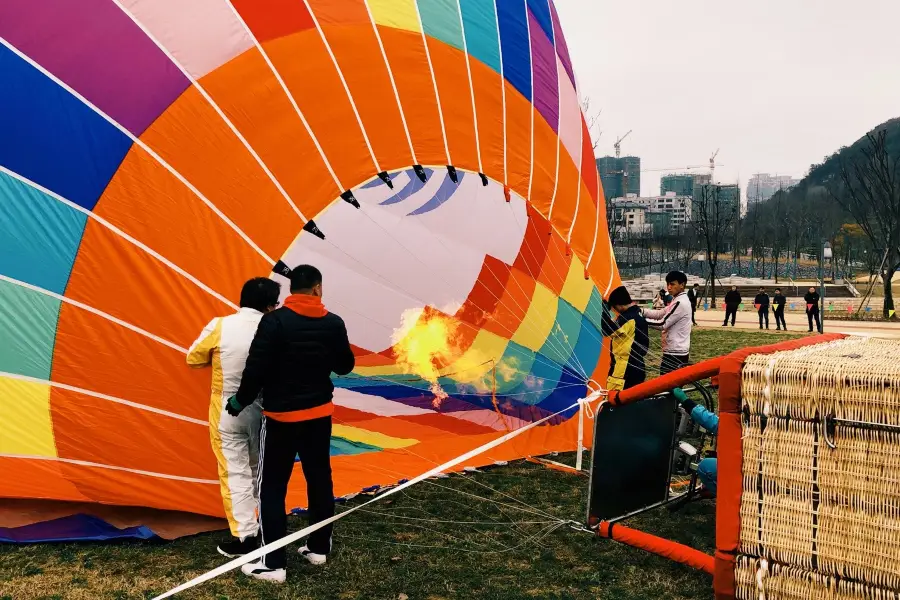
(712, 166)
(618, 144)
(676, 169)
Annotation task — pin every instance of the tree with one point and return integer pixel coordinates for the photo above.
(713, 217)
(868, 187)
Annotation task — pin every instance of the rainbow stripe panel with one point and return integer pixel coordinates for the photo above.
(429, 156)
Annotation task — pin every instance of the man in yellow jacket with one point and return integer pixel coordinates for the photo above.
(224, 344)
(630, 341)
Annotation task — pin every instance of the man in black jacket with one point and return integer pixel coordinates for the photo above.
(692, 298)
(294, 352)
(812, 308)
(778, 303)
(761, 302)
(732, 303)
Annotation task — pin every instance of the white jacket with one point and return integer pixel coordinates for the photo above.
(225, 344)
(675, 322)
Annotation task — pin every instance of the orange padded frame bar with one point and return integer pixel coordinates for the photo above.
(730, 485)
(664, 383)
(657, 545)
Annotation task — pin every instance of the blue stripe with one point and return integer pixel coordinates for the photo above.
(447, 189)
(39, 236)
(515, 44)
(590, 343)
(51, 137)
(541, 11)
(480, 22)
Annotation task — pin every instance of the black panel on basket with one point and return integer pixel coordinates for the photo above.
(631, 457)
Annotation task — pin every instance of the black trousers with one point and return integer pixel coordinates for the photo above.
(693, 314)
(672, 362)
(730, 311)
(279, 443)
(763, 316)
(779, 319)
(813, 314)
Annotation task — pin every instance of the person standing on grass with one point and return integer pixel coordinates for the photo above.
(628, 338)
(675, 322)
(732, 303)
(778, 303)
(692, 298)
(761, 302)
(812, 308)
(224, 344)
(294, 353)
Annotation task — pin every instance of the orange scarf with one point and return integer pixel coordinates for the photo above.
(306, 305)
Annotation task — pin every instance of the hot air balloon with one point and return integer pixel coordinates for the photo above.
(429, 156)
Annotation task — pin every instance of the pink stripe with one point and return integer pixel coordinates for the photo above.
(97, 50)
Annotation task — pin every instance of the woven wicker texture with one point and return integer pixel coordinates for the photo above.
(825, 520)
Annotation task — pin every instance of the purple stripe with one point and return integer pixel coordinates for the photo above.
(97, 50)
(543, 61)
(447, 189)
(561, 47)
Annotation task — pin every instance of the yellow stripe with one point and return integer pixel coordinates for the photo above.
(476, 362)
(26, 427)
(538, 322)
(372, 438)
(577, 290)
(400, 14)
(212, 344)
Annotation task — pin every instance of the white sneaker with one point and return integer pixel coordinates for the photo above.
(259, 571)
(312, 557)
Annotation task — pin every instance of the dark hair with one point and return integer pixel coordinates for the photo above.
(305, 278)
(676, 277)
(696, 285)
(777, 289)
(619, 296)
(260, 293)
(762, 287)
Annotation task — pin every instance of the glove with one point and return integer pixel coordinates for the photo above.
(233, 406)
(682, 398)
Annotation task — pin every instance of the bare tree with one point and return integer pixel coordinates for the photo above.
(593, 121)
(870, 191)
(713, 217)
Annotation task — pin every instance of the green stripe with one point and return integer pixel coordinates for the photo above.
(440, 19)
(27, 330)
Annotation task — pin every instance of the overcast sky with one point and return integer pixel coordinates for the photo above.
(776, 84)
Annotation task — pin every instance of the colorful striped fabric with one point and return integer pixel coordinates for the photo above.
(155, 154)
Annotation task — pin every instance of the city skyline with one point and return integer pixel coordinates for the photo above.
(629, 59)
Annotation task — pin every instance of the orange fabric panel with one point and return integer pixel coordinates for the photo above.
(588, 163)
(456, 103)
(533, 250)
(345, 12)
(128, 437)
(420, 427)
(249, 94)
(566, 194)
(513, 305)
(583, 227)
(122, 488)
(486, 293)
(555, 269)
(357, 52)
(270, 19)
(150, 204)
(197, 143)
(96, 354)
(316, 87)
(546, 143)
(518, 140)
(118, 278)
(406, 54)
(489, 108)
(30, 478)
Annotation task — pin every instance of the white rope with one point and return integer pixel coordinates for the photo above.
(293, 537)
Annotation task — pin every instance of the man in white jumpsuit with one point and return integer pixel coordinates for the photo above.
(224, 344)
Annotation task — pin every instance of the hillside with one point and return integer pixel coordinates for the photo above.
(820, 174)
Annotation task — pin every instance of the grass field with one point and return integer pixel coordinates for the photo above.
(487, 535)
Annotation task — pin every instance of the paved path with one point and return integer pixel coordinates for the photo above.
(797, 322)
